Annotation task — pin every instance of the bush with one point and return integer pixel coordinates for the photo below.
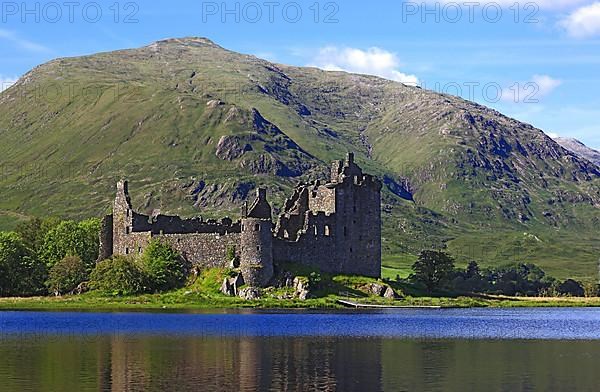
(118, 276)
(165, 268)
(66, 275)
(20, 272)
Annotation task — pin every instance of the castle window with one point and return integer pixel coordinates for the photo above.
(257, 227)
(126, 251)
(327, 231)
(140, 249)
(127, 230)
(286, 234)
(258, 248)
(350, 250)
(316, 231)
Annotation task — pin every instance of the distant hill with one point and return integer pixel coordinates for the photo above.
(580, 149)
(196, 127)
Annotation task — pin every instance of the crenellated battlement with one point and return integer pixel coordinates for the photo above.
(333, 225)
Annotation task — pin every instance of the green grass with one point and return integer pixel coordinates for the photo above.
(190, 301)
(203, 292)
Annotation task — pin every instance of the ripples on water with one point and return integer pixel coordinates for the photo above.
(453, 350)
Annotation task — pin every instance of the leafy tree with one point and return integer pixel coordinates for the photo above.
(20, 273)
(165, 268)
(119, 275)
(71, 238)
(470, 280)
(33, 232)
(472, 270)
(433, 269)
(66, 275)
(591, 288)
(518, 279)
(571, 287)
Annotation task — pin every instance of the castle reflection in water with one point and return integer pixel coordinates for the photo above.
(184, 363)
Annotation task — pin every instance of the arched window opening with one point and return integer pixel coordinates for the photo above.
(327, 231)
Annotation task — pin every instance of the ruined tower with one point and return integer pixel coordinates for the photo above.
(122, 219)
(256, 260)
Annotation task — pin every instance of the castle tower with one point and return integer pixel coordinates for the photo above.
(122, 218)
(256, 260)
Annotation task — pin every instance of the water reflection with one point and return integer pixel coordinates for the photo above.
(379, 351)
(117, 363)
(152, 363)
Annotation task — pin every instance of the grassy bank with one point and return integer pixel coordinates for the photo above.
(203, 292)
(185, 301)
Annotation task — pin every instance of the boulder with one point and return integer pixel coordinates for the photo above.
(231, 285)
(250, 293)
(390, 293)
(380, 290)
(302, 291)
(376, 289)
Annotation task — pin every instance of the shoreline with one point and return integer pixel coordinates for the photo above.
(183, 303)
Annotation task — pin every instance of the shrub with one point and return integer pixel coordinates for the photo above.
(118, 276)
(66, 275)
(165, 268)
(20, 272)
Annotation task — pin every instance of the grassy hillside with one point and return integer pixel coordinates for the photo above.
(195, 128)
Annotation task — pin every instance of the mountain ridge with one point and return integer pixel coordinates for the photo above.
(580, 149)
(179, 113)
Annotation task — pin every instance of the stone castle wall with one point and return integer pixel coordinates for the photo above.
(204, 249)
(335, 227)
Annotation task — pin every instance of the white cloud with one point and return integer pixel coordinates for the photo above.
(22, 43)
(583, 22)
(539, 87)
(6, 82)
(373, 61)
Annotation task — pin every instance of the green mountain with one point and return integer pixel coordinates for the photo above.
(196, 127)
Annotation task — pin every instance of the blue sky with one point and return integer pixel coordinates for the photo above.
(535, 61)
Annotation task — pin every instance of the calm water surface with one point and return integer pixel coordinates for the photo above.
(404, 350)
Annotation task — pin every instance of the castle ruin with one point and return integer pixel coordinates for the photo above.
(333, 226)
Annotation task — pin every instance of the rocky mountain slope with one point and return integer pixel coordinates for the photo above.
(196, 127)
(580, 149)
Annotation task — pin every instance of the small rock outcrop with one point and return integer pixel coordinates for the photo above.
(250, 293)
(380, 290)
(302, 290)
(231, 285)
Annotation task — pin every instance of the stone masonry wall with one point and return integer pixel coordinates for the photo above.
(204, 249)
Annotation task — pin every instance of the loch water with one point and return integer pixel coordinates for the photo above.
(545, 349)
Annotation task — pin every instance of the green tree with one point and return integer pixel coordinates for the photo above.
(120, 275)
(66, 275)
(165, 268)
(20, 273)
(433, 269)
(70, 238)
(34, 230)
(571, 288)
